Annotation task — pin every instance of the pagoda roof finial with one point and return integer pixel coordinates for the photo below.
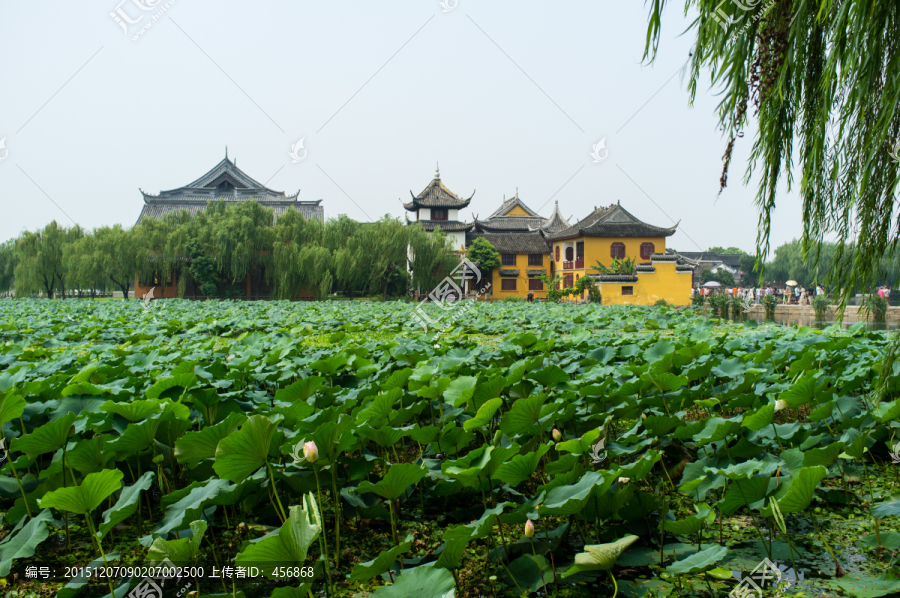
(437, 171)
(226, 152)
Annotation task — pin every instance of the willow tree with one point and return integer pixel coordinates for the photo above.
(376, 255)
(819, 78)
(299, 261)
(431, 258)
(110, 254)
(8, 266)
(39, 254)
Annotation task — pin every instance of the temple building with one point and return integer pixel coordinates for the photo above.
(531, 246)
(227, 183)
(437, 206)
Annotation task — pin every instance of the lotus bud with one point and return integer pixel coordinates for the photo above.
(529, 529)
(780, 404)
(557, 435)
(310, 452)
(624, 480)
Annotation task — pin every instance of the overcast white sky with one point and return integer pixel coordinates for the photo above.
(503, 94)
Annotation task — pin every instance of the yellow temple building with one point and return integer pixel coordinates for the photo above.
(531, 245)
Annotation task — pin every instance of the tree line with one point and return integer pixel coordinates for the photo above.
(216, 250)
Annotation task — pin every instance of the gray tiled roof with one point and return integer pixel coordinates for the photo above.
(614, 277)
(311, 210)
(436, 195)
(194, 197)
(644, 268)
(683, 268)
(555, 223)
(446, 225)
(612, 221)
(535, 272)
(509, 272)
(510, 223)
(509, 204)
(517, 243)
(732, 260)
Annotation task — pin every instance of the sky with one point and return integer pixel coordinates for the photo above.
(504, 95)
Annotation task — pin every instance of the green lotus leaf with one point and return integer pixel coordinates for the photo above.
(289, 547)
(600, 557)
(300, 390)
(424, 581)
(243, 452)
(194, 447)
(698, 562)
(484, 416)
(460, 390)
(524, 413)
(23, 540)
(520, 467)
(181, 552)
(133, 411)
(83, 499)
(399, 477)
(47, 438)
(380, 564)
(126, 505)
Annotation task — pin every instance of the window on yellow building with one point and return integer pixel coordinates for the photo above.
(508, 259)
(535, 259)
(570, 254)
(535, 284)
(628, 290)
(647, 250)
(508, 284)
(617, 250)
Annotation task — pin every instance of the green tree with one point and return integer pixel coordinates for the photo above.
(819, 79)
(8, 262)
(726, 251)
(40, 266)
(484, 254)
(108, 255)
(203, 269)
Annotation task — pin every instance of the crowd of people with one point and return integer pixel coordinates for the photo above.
(796, 295)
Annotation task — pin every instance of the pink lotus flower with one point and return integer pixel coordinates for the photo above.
(310, 452)
(529, 529)
(557, 435)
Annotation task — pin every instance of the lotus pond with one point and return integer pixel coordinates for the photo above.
(325, 449)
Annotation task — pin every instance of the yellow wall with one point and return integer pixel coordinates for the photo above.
(598, 248)
(517, 211)
(665, 283)
(521, 280)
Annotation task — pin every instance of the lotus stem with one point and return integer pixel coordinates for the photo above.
(500, 529)
(615, 585)
(21, 489)
(323, 545)
(540, 571)
(87, 517)
(280, 509)
(871, 502)
(337, 516)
